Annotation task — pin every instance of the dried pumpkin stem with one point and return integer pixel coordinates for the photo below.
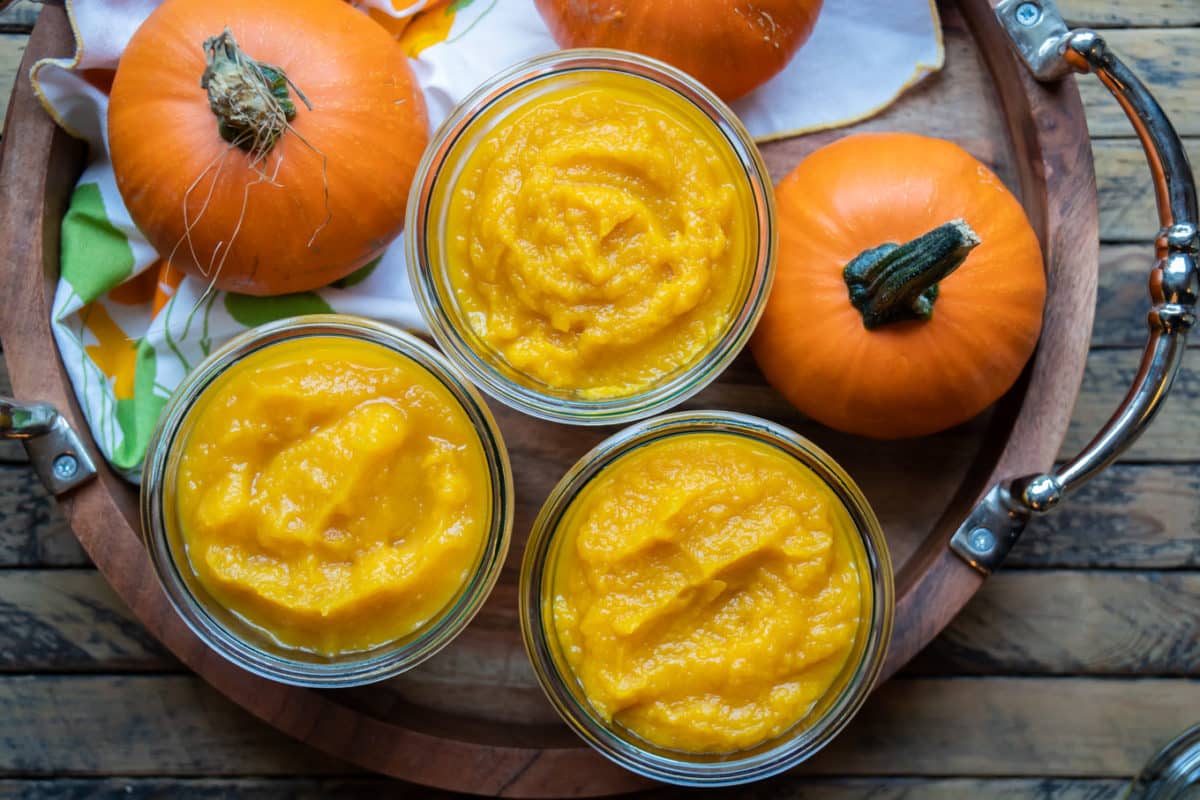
(250, 99)
(894, 282)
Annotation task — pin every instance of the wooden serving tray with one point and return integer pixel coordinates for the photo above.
(473, 718)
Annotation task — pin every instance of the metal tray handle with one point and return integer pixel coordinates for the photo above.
(1051, 51)
(55, 451)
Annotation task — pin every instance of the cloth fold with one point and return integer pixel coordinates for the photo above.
(129, 327)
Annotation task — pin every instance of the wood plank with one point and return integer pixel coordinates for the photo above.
(1083, 623)
(1122, 295)
(1025, 622)
(1108, 14)
(1125, 191)
(782, 788)
(70, 620)
(1175, 434)
(1148, 514)
(10, 452)
(1036, 727)
(162, 725)
(12, 50)
(1130, 516)
(19, 17)
(33, 531)
(1164, 59)
(1011, 727)
(799, 788)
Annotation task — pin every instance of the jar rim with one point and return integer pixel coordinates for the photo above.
(806, 737)
(425, 280)
(301, 668)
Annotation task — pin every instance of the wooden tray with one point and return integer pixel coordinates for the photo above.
(473, 718)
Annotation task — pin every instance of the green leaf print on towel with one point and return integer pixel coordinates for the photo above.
(252, 311)
(95, 255)
(138, 415)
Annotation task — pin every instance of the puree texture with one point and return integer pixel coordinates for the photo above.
(332, 493)
(707, 594)
(598, 237)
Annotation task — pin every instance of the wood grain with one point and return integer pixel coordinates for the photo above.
(1126, 194)
(1123, 299)
(11, 452)
(175, 725)
(1164, 59)
(1175, 434)
(785, 788)
(33, 531)
(1130, 516)
(1048, 726)
(19, 16)
(1075, 623)
(1107, 13)
(802, 788)
(1023, 622)
(71, 621)
(12, 50)
(171, 725)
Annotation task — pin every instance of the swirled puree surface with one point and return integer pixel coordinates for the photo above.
(707, 592)
(332, 493)
(598, 236)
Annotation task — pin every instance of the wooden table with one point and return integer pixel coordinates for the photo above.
(1070, 668)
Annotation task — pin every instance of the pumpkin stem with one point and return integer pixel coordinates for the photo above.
(894, 282)
(249, 98)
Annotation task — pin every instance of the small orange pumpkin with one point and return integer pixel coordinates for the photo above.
(909, 287)
(731, 46)
(290, 167)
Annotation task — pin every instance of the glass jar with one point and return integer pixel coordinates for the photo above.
(444, 163)
(247, 645)
(808, 735)
(1173, 773)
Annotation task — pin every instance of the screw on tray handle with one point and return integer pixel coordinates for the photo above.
(1051, 50)
(55, 451)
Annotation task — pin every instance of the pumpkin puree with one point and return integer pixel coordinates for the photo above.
(599, 236)
(333, 493)
(707, 594)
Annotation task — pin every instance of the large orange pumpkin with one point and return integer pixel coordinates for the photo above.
(908, 291)
(731, 46)
(306, 175)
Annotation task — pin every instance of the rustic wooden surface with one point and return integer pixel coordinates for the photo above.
(1068, 669)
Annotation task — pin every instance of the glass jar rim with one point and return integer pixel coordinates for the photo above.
(353, 669)
(528, 399)
(727, 769)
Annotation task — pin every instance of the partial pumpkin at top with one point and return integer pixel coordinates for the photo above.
(731, 46)
(291, 167)
(909, 287)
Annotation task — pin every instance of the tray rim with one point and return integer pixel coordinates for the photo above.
(1048, 135)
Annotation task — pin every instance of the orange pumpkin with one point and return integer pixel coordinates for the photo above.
(290, 167)
(731, 46)
(909, 287)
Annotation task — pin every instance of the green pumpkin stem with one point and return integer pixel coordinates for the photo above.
(892, 282)
(250, 99)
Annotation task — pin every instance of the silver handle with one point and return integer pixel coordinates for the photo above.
(1051, 51)
(55, 451)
